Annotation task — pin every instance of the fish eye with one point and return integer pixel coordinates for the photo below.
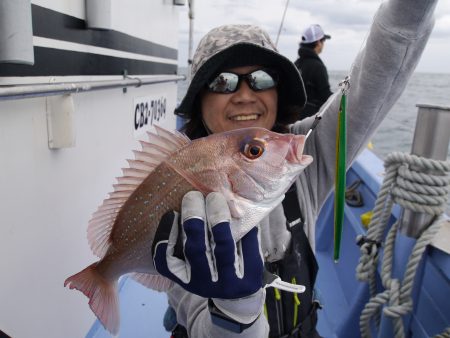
(253, 149)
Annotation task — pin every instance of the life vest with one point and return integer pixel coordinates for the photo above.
(290, 314)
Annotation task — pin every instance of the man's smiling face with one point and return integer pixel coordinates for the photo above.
(241, 109)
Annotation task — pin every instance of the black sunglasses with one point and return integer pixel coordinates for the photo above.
(228, 82)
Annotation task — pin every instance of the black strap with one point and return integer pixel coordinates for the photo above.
(305, 326)
(3, 335)
(179, 332)
(294, 216)
(291, 207)
(221, 319)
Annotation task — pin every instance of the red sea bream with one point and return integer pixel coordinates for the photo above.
(251, 167)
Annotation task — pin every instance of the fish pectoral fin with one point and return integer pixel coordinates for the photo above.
(235, 210)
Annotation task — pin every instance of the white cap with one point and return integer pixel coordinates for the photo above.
(314, 33)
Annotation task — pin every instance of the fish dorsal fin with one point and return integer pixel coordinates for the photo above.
(160, 145)
(173, 136)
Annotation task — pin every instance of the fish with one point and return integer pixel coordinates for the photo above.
(252, 167)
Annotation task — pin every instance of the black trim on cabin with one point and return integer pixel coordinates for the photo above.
(58, 62)
(55, 25)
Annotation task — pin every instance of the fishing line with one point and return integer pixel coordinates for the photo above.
(282, 22)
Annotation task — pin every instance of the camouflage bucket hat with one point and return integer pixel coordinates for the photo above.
(232, 46)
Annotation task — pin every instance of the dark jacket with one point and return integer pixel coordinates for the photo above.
(315, 77)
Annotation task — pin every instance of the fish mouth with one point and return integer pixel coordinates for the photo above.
(295, 153)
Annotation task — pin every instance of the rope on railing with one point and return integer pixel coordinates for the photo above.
(420, 185)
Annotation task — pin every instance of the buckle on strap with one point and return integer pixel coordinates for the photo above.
(272, 280)
(295, 222)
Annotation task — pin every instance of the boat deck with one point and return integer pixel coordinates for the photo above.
(343, 297)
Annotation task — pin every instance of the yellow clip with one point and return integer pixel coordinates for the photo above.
(296, 300)
(296, 303)
(366, 218)
(277, 294)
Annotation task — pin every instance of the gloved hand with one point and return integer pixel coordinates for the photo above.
(211, 264)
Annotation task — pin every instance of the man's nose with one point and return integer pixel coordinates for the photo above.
(244, 93)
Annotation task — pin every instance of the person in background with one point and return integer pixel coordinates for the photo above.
(241, 80)
(313, 70)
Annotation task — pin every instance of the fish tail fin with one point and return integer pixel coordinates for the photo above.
(102, 294)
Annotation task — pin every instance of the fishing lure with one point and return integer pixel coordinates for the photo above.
(341, 160)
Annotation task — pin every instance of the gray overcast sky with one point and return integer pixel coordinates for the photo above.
(347, 21)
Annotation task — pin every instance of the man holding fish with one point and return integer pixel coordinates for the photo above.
(263, 89)
(234, 233)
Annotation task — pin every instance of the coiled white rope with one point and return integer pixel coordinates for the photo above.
(420, 185)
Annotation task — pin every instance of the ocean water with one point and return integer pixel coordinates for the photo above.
(397, 130)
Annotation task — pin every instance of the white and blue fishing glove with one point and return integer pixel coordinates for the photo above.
(198, 252)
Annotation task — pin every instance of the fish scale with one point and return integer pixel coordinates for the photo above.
(136, 224)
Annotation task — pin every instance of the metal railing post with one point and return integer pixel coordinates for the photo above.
(431, 140)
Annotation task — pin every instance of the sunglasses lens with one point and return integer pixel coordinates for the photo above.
(261, 80)
(224, 83)
(228, 82)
